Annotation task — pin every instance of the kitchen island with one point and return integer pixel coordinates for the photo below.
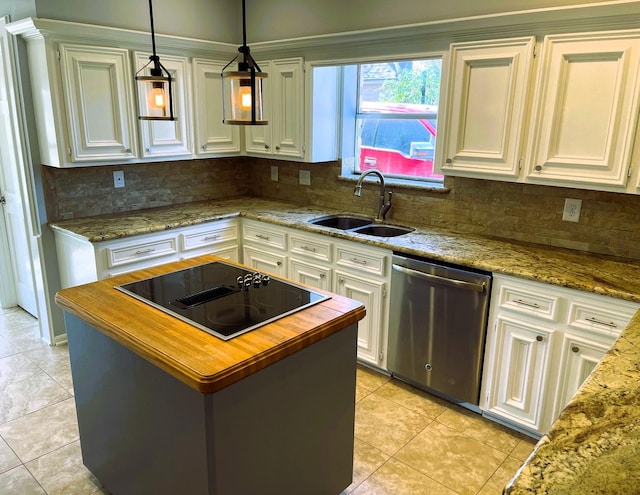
(164, 407)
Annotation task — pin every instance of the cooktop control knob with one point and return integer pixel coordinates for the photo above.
(265, 280)
(240, 281)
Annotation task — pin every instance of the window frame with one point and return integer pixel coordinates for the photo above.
(352, 114)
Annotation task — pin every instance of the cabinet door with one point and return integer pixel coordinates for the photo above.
(579, 357)
(99, 102)
(313, 274)
(257, 138)
(169, 138)
(486, 102)
(520, 372)
(284, 108)
(265, 261)
(370, 293)
(287, 111)
(212, 136)
(586, 110)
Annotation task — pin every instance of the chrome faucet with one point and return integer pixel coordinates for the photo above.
(384, 205)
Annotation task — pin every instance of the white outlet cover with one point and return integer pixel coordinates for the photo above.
(571, 212)
(274, 173)
(118, 178)
(305, 177)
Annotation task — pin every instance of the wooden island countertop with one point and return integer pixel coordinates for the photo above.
(198, 359)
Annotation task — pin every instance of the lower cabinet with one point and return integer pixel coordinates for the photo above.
(347, 268)
(543, 341)
(81, 261)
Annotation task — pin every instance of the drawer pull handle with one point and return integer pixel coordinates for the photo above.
(601, 322)
(575, 348)
(527, 303)
(356, 260)
(539, 338)
(263, 237)
(307, 248)
(145, 251)
(211, 237)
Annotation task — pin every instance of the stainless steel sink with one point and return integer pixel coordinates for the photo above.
(342, 222)
(360, 225)
(379, 230)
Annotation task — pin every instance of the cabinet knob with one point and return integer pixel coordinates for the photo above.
(127, 150)
(428, 367)
(448, 161)
(266, 146)
(575, 348)
(204, 147)
(322, 275)
(277, 148)
(539, 338)
(341, 281)
(279, 263)
(538, 168)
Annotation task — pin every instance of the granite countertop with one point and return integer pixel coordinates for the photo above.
(564, 267)
(594, 446)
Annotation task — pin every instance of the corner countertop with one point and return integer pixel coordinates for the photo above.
(594, 446)
(604, 275)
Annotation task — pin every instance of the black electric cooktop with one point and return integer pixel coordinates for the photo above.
(222, 299)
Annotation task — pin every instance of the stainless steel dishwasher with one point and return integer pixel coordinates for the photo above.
(437, 327)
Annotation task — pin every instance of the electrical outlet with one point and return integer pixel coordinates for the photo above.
(274, 173)
(571, 212)
(305, 177)
(118, 178)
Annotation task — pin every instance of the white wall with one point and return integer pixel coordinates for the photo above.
(282, 19)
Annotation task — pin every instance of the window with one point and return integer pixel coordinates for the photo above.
(394, 108)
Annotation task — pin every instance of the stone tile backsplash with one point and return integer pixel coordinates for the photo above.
(609, 222)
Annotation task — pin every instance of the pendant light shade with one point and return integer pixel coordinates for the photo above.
(154, 89)
(242, 102)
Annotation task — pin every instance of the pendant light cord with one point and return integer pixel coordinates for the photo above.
(153, 36)
(244, 26)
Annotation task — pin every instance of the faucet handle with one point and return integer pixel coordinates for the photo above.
(390, 195)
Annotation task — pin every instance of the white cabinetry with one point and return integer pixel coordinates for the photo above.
(350, 269)
(486, 107)
(212, 137)
(98, 99)
(586, 110)
(580, 124)
(264, 247)
(543, 342)
(169, 138)
(81, 261)
(284, 109)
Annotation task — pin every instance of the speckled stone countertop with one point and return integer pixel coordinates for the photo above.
(589, 272)
(594, 446)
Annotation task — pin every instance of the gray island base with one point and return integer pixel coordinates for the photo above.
(286, 429)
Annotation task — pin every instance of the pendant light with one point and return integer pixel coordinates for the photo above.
(242, 102)
(154, 90)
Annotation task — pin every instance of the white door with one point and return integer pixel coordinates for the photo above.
(15, 243)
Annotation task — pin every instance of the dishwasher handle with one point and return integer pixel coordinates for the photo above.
(476, 287)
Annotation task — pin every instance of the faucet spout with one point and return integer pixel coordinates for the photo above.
(383, 205)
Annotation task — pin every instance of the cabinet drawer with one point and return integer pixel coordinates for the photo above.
(361, 260)
(310, 247)
(208, 236)
(264, 236)
(528, 301)
(132, 253)
(598, 319)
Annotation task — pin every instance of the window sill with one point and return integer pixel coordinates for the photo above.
(432, 187)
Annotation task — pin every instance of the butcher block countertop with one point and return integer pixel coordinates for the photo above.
(593, 447)
(202, 361)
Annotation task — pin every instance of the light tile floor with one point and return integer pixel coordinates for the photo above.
(406, 441)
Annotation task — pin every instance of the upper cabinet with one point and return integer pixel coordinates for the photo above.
(485, 107)
(169, 138)
(98, 97)
(580, 123)
(212, 137)
(284, 108)
(586, 110)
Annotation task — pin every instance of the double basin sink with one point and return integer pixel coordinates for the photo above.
(360, 225)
